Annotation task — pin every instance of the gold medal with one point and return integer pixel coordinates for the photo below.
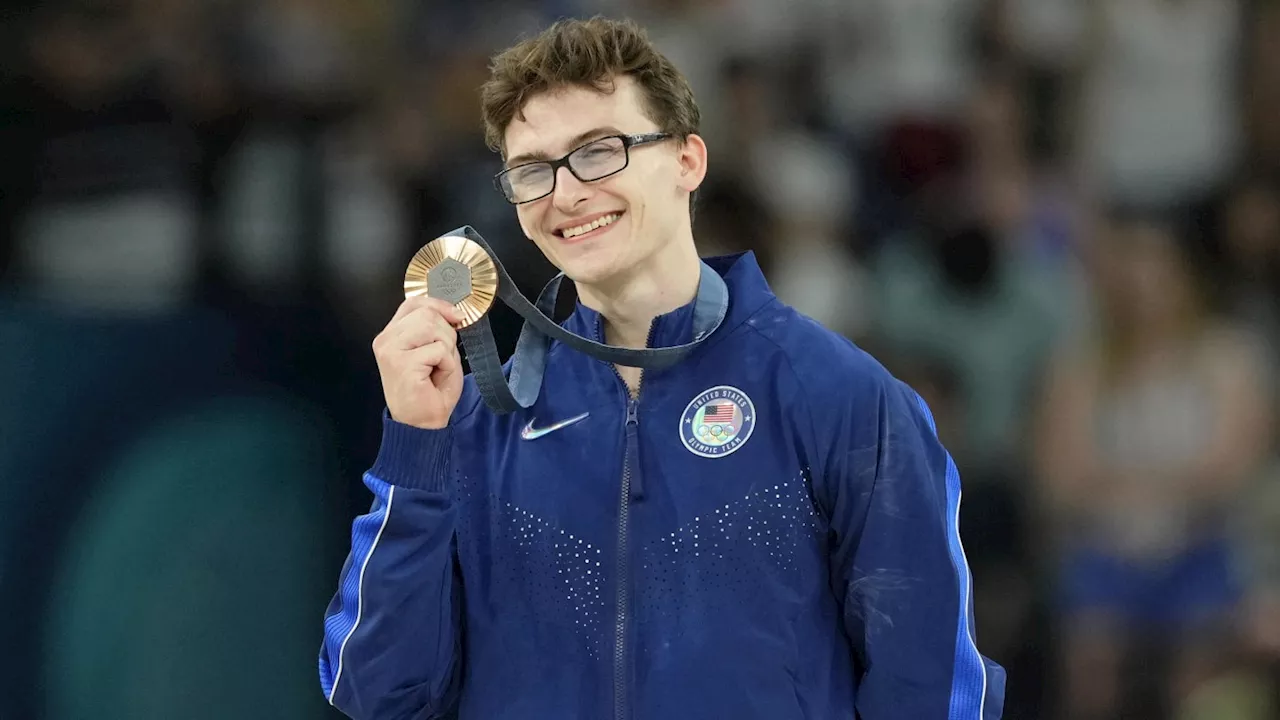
(456, 269)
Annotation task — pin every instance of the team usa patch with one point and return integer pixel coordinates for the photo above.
(717, 422)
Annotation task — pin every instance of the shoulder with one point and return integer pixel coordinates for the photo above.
(825, 363)
(842, 388)
(850, 409)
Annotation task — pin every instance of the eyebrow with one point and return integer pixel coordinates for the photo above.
(575, 142)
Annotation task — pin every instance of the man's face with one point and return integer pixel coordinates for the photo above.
(639, 210)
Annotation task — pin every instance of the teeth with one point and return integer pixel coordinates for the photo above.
(588, 227)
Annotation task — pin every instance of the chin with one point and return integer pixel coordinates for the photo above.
(587, 272)
(589, 265)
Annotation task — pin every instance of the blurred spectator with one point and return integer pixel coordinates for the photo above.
(1262, 513)
(1151, 428)
(1025, 194)
(1248, 272)
(295, 52)
(809, 201)
(965, 285)
(813, 204)
(1160, 121)
(1047, 39)
(113, 214)
(1245, 685)
(1260, 82)
(1256, 676)
(889, 60)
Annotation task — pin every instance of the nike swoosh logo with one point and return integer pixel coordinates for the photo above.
(531, 433)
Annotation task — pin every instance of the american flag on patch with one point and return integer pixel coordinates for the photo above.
(720, 412)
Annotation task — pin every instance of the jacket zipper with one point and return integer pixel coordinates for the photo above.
(622, 619)
(630, 475)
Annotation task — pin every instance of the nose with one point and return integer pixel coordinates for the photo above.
(570, 191)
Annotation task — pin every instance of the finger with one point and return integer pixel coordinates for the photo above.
(409, 305)
(451, 364)
(427, 330)
(431, 356)
(443, 307)
(421, 327)
(416, 336)
(452, 313)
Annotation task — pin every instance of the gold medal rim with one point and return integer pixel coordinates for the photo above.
(484, 274)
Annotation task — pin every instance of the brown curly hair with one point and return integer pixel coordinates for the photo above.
(589, 53)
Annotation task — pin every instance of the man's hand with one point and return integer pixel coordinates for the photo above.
(418, 360)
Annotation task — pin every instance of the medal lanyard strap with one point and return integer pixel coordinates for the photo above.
(528, 362)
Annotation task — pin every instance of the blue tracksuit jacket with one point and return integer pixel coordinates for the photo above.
(769, 532)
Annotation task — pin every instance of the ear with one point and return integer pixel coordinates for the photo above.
(693, 162)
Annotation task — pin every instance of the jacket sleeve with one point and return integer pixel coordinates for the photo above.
(393, 630)
(898, 564)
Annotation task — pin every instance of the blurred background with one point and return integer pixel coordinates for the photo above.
(1059, 220)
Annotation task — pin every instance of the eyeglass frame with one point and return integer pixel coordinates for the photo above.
(628, 142)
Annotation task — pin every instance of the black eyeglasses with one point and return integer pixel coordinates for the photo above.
(596, 160)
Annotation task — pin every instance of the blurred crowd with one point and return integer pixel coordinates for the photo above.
(1059, 220)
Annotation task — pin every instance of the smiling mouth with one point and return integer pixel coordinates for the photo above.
(583, 229)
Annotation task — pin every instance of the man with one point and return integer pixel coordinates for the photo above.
(765, 530)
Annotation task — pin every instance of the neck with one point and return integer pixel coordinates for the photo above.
(629, 303)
